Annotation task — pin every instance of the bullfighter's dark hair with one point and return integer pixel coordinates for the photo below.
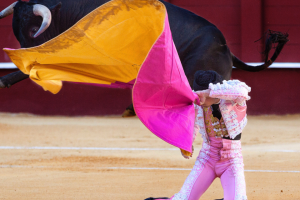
(202, 79)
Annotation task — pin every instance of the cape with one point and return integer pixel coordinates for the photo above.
(121, 43)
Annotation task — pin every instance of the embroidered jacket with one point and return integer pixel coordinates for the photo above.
(233, 95)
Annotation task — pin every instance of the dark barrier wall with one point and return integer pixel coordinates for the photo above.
(73, 99)
(274, 91)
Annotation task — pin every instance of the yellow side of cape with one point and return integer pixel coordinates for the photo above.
(108, 45)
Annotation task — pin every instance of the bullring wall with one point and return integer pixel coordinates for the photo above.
(274, 91)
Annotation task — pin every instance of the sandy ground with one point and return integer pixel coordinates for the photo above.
(114, 158)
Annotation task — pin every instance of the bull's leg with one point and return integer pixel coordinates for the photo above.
(12, 78)
(129, 112)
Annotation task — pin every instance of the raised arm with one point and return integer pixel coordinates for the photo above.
(233, 90)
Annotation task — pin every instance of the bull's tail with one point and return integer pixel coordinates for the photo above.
(273, 38)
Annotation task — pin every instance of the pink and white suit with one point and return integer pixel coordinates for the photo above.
(220, 157)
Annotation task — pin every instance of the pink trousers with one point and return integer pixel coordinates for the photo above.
(221, 158)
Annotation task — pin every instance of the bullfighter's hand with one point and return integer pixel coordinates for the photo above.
(202, 94)
(186, 154)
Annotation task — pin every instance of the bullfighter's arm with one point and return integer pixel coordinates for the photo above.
(233, 90)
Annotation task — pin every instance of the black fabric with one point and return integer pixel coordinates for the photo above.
(217, 113)
(238, 137)
(202, 79)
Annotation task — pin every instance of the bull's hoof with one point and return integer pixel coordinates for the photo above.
(219, 199)
(151, 198)
(128, 113)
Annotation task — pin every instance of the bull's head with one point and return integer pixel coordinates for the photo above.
(31, 21)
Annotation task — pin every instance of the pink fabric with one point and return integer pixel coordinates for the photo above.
(228, 182)
(231, 149)
(230, 90)
(239, 110)
(210, 165)
(234, 116)
(162, 96)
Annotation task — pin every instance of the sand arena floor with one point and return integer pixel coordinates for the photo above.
(111, 158)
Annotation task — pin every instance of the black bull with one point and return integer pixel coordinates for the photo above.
(199, 43)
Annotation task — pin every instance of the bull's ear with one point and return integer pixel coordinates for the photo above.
(56, 8)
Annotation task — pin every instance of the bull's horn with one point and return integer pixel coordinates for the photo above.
(7, 11)
(44, 12)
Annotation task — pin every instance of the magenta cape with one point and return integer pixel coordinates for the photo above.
(162, 96)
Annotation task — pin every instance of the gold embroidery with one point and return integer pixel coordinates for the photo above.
(214, 120)
(225, 133)
(208, 130)
(207, 122)
(217, 130)
(217, 126)
(219, 134)
(223, 126)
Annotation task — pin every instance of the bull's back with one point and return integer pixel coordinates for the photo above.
(190, 32)
(72, 10)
